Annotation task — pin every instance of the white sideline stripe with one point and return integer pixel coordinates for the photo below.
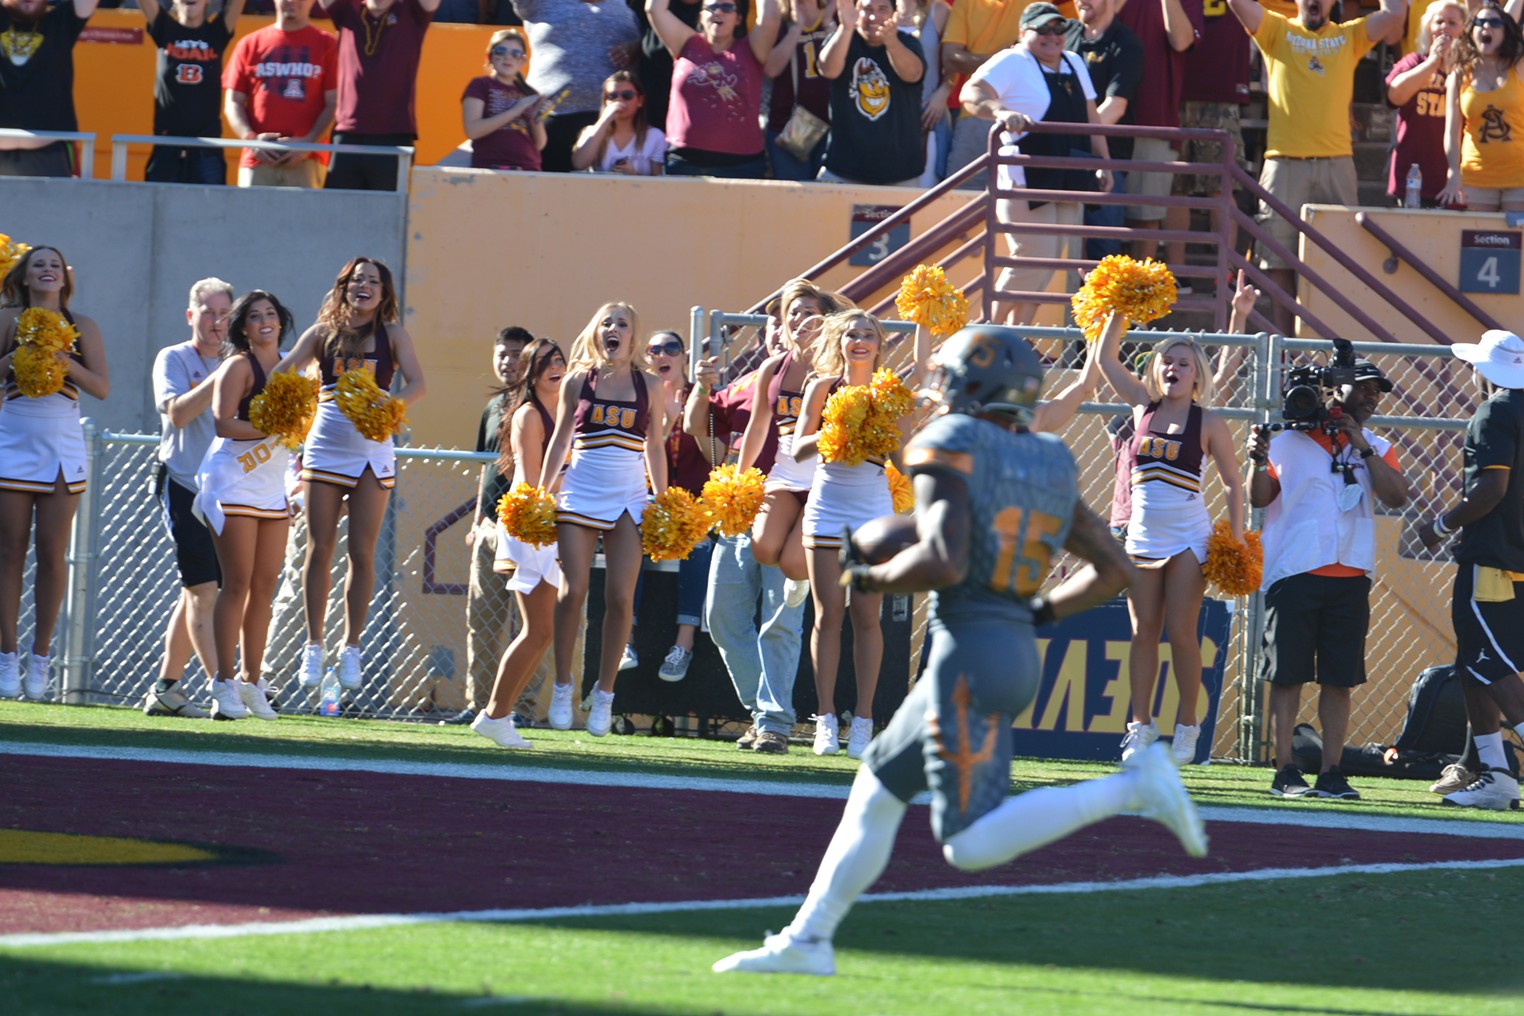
(365, 922)
(1303, 814)
(143, 977)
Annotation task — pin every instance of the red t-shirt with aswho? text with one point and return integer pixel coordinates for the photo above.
(286, 76)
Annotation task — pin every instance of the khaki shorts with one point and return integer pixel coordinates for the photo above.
(1149, 185)
(1493, 198)
(308, 173)
(1212, 116)
(1298, 182)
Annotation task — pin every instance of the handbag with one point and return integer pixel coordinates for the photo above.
(804, 130)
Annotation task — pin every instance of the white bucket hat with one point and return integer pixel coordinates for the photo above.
(1499, 357)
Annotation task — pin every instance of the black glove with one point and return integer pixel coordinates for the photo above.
(1042, 611)
(854, 570)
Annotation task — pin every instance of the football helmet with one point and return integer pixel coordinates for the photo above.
(986, 369)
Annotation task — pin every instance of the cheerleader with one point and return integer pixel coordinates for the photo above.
(848, 350)
(536, 576)
(356, 329)
(1168, 527)
(610, 420)
(777, 534)
(241, 496)
(42, 462)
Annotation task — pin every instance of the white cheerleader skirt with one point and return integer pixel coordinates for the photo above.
(787, 474)
(600, 485)
(1159, 532)
(843, 498)
(246, 479)
(336, 453)
(525, 564)
(41, 439)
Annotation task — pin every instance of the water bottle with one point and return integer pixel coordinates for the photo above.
(328, 702)
(1414, 196)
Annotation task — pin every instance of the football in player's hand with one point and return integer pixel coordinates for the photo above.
(876, 541)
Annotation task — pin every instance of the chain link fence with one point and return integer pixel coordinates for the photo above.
(123, 581)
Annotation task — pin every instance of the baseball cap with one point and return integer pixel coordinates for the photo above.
(1367, 371)
(1039, 14)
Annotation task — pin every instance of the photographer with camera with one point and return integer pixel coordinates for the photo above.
(1316, 481)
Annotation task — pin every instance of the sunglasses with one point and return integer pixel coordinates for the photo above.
(517, 54)
(624, 93)
(1053, 28)
(665, 349)
(1487, 23)
(720, 8)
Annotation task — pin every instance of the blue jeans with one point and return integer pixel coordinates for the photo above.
(786, 167)
(762, 663)
(167, 164)
(1106, 215)
(693, 584)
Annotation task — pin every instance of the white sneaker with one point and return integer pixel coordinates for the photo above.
(675, 666)
(1139, 736)
(35, 684)
(349, 668)
(827, 737)
(795, 592)
(782, 954)
(501, 730)
(1162, 797)
(227, 703)
(629, 659)
(10, 675)
(256, 699)
(860, 735)
(1494, 790)
(600, 718)
(1183, 747)
(311, 675)
(561, 706)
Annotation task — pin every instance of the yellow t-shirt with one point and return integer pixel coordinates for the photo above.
(1312, 80)
(1492, 143)
(983, 27)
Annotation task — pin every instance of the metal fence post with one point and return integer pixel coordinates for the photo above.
(79, 604)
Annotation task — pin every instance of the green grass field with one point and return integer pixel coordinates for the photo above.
(1407, 942)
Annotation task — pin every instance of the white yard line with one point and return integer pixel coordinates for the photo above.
(1302, 813)
(362, 922)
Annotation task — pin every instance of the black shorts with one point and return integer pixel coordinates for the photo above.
(194, 552)
(1487, 611)
(1315, 630)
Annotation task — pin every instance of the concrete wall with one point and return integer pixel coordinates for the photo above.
(136, 248)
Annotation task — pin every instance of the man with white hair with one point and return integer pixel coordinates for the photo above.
(182, 393)
(1487, 608)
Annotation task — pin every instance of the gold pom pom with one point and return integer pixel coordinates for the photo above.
(376, 415)
(528, 514)
(733, 497)
(673, 525)
(928, 299)
(11, 251)
(890, 396)
(1140, 291)
(286, 407)
(1233, 568)
(901, 490)
(40, 335)
(860, 422)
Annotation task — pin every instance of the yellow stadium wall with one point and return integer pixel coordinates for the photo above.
(544, 251)
(113, 84)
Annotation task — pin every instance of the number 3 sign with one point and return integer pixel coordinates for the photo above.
(1489, 261)
(864, 218)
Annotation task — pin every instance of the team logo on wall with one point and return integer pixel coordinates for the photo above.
(870, 89)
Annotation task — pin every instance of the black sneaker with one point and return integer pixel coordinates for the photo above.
(1333, 784)
(460, 719)
(1289, 783)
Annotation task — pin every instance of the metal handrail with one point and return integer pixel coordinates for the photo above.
(1401, 253)
(119, 142)
(86, 141)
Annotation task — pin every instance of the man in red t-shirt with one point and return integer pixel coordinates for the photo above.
(281, 85)
(380, 42)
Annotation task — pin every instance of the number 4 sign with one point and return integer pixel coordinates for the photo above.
(1489, 261)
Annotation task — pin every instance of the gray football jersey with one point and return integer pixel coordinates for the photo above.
(1022, 492)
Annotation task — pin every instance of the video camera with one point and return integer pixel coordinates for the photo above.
(1308, 390)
